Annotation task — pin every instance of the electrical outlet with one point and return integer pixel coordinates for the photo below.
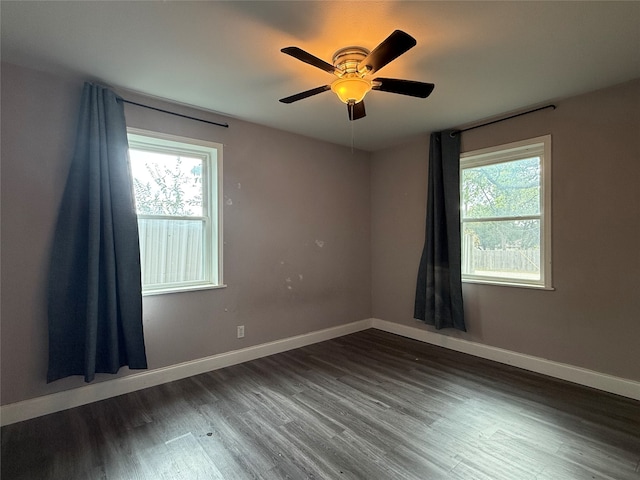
(240, 331)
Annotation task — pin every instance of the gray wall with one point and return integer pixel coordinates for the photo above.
(367, 211)
(592, 318)
(282, 191)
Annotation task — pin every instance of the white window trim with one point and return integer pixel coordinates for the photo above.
(214, 239)
(514, 151)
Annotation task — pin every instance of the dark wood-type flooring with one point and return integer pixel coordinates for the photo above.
(365, 406)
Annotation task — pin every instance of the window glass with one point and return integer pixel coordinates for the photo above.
(177, 186)
(166, 184)
(503, 189)
(505, 214)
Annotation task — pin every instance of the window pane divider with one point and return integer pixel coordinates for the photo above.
(502, 219)
(170, 217)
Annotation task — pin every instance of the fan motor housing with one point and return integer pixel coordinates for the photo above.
(346, 61)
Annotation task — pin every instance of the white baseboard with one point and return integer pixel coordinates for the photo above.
(582, 376)
(36, 407)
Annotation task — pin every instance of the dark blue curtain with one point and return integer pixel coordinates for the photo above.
(439, 286)
(95, 299)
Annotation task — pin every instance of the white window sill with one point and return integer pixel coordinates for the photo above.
(187, 288)
(507, 284)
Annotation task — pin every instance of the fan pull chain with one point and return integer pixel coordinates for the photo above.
(352, 136)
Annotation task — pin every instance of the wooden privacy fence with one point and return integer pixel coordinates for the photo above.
(171, 250)
(501, 260)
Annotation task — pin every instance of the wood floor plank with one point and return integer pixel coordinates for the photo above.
(370, 405)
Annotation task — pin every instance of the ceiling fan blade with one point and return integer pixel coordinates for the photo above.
(306, 57)
(391, 48)
(356, 110)
(305, 94)
(403, 87)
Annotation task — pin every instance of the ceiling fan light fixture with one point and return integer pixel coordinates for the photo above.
(353, 66)
(351, 89)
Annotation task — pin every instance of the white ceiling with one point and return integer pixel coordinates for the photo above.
(485, 58)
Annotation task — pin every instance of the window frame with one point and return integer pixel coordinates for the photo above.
(538, 146)
(211, 154)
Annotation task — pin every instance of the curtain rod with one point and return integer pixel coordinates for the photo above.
(503, 119)
(225, 125)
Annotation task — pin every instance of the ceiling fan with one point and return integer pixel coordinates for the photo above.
(353, 65)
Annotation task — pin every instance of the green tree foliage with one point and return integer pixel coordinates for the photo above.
(508, 189)
(171, 190)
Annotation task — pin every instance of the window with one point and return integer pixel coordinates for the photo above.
(505, 204)
(178, 185)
